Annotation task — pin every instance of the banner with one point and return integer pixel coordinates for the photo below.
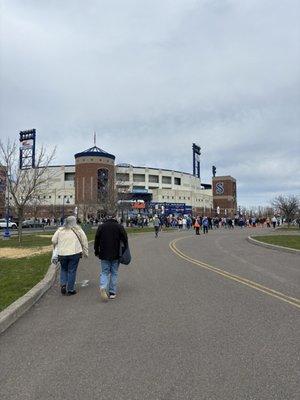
(26, 145)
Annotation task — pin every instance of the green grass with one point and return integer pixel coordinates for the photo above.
(18, 276)
(291, 241)
(291, 228)
(27, 241)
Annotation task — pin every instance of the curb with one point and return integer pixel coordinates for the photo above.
(15, 310)
(273, 246)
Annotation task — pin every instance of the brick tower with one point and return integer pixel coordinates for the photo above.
(94, 182)
(224, 196)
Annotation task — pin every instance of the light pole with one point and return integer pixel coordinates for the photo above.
(6, 233)
(63, 208)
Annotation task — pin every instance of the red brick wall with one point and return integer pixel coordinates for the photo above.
(86, 179)
(227, 199)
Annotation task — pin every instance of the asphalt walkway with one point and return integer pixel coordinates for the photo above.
(176, 331)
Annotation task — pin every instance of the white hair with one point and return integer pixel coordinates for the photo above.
(70, 222)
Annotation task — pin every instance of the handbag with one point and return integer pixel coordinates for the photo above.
(54, 258)
(125, 255)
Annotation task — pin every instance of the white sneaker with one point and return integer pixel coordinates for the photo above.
(103, 294)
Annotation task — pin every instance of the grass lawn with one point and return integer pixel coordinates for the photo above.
(292, 241)
(291, 228)
(17, 276)
(27, 241)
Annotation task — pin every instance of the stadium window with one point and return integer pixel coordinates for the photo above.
(69, 176)
(138, 178)
(122, 177)
(167, 179)
(153, 178)
(177, 181)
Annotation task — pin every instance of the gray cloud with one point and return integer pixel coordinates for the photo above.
(153, 77)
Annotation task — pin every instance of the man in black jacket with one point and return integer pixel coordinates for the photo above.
(107, 247)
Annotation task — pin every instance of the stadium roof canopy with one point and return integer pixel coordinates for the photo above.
(95, 151)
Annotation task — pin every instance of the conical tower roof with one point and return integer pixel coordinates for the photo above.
(94, 151)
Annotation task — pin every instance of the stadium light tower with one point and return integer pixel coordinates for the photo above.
(196, 160)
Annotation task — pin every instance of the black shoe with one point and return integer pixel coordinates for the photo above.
(63, 289)
(71, 292)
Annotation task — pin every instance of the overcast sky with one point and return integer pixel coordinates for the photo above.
(153, 76)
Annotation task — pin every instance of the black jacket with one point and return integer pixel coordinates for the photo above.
(108, 238)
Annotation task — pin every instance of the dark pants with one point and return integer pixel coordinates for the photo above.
(68, 270)
(205, 229)
(197, 228)
(156, 228)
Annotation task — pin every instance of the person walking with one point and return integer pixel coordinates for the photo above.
(71, 244)
(205, 224)
(197, 226)
(108, 240)
(274, 221)
(156, 224)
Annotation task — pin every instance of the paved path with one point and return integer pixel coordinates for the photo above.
(176, 331)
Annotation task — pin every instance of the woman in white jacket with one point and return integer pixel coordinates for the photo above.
(71, 244)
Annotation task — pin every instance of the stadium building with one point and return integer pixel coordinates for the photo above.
(94, 184)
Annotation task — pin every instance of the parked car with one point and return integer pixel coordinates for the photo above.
(31, 223)
(11, 225)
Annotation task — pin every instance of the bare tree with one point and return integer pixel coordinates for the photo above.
(24, 185)
(86, 209)
(287, 206)
(123, 203)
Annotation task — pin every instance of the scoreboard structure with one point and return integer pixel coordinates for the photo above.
(27, 149)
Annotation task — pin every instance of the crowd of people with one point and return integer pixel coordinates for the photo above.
(207, 223)
(71, 244)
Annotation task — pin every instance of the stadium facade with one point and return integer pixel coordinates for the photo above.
(94, 184)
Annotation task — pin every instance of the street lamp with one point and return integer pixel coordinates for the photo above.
(63, 208)
(6, 233)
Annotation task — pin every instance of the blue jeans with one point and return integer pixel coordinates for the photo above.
(109, 275)
(68, 268)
